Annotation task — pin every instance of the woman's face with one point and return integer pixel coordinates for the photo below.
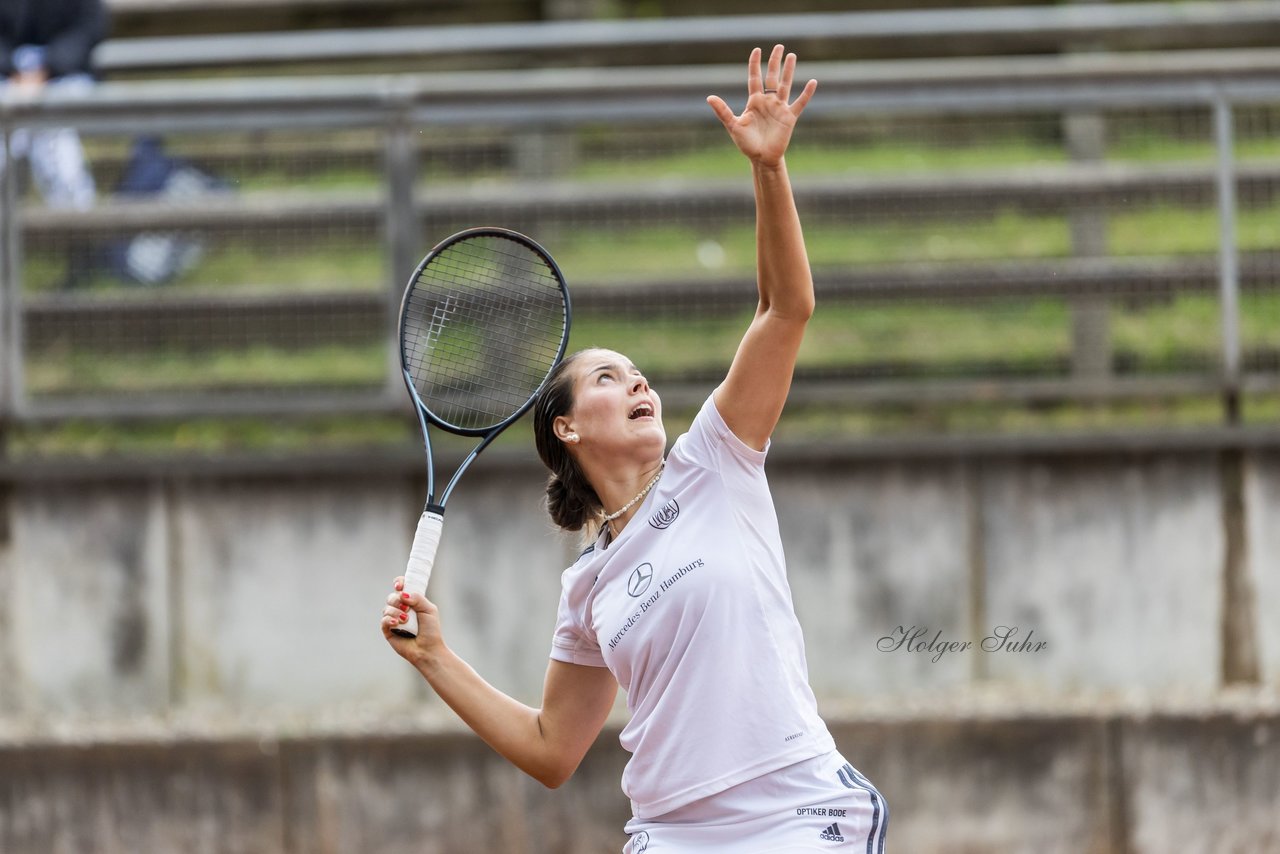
(614, 410)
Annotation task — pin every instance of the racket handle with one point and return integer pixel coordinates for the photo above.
(421, 558)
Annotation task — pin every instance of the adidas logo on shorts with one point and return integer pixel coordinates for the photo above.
(832, 833)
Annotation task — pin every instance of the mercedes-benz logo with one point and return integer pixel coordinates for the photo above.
(638, 583)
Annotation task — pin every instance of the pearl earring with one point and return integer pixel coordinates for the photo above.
(572, 438)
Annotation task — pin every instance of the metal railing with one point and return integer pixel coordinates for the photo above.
(389, 165)
(1005, 29)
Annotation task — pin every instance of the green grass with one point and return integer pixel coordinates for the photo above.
(208, 436)
(1150, 148)
(258, 367)
(248, 178)
(326, 263)
(711, 157)
(928, 338)
(1163, 332)
(600, 255)
(723, 161)
(801, 425)
(919, 338)
(842, 335)
(591, 255)
(1032, 336)
(232, 268)
(1260, 319)
(905, 157)
(597, 255)
(211, 436)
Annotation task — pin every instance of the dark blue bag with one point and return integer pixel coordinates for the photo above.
(156, 257)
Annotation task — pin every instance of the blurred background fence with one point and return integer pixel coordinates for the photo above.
(1073, 233)
(1042, 388)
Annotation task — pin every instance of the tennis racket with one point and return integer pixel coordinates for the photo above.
(484, 320)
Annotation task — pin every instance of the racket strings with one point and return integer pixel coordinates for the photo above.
(483, 325)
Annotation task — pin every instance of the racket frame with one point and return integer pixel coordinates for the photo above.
(432, 518)
(424, 413)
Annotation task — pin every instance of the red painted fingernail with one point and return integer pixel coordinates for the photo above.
(404, 618)
(404, 596)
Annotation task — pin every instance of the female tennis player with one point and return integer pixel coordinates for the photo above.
(682, 598)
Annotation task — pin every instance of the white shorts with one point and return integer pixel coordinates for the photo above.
(821, 804)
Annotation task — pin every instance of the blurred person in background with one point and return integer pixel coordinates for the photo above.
(47, 45)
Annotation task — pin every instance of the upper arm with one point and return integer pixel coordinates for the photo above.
(751, 398)
(576, 701)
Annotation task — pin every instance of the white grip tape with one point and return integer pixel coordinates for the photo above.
(421, 558)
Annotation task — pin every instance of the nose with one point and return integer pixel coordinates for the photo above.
(639, 383)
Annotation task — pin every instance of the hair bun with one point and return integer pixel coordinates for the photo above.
(565, 504)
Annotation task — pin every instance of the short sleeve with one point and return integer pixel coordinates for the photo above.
(571, 643)
(712, 445)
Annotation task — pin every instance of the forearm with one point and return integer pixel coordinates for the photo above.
(782, 264)
(509, 727)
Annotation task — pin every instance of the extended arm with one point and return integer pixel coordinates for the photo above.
(548, 743)
(752, 395)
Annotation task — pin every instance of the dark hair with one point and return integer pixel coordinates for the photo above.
(571, 500)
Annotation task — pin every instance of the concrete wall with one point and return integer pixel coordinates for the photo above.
(260, 594)
(1263, 500)
(1039, 784)
(151, 617)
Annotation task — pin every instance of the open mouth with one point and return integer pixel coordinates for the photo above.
(643, 410)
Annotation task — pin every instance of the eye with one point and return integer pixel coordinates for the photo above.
(603, 376)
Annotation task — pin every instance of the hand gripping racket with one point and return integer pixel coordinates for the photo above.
(484, 320)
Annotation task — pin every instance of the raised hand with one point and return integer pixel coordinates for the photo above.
(763, 131)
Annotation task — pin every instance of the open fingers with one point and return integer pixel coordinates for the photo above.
(754, 86)
(773, 74)
(788, 72)
(803, 99)
(721, 109)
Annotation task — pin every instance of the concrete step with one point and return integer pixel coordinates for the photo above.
(1006, 779)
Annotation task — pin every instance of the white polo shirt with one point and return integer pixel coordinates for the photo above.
(690, 609)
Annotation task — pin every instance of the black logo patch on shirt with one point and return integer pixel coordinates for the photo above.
(664, 517)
